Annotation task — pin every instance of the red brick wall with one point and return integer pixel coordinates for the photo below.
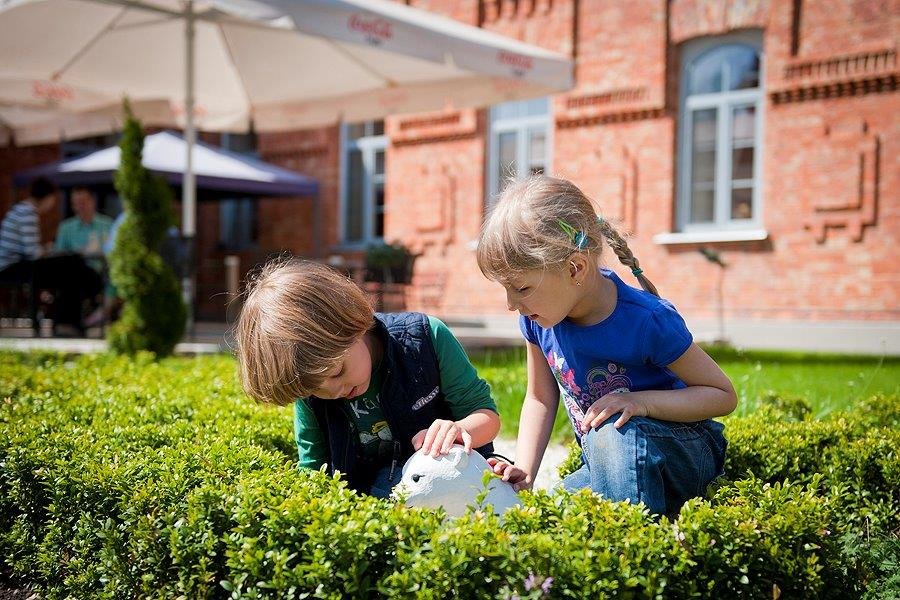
(290, 224)
(830, 170)
(830, 157)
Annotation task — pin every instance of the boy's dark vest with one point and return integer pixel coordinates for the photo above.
(411, 399)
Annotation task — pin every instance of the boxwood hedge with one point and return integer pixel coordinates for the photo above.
(124, 478)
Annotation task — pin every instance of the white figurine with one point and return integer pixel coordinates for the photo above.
(452, 481)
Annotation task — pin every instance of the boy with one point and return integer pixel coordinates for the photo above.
(368, 389)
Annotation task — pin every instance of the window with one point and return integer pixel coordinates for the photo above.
(518, 144)
(363, 193)
(720, 134)
(237, 216)
(237, 223)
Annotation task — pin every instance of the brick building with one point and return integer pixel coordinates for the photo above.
(766, 131)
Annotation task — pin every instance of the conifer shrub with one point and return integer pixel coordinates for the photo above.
(153, 313)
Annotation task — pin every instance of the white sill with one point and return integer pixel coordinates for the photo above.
(701, 237)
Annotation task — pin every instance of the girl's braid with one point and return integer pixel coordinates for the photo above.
(618, 245)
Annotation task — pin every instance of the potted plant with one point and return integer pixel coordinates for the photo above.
(389, 263)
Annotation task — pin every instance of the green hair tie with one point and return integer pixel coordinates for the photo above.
(637, 271)
(578, 238)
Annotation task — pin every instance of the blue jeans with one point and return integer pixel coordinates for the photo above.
(659, 463)
(384, 482)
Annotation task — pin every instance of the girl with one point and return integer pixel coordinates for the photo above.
(368, 389)
(638, 391)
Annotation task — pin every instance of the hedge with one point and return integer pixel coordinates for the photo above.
(130, 478)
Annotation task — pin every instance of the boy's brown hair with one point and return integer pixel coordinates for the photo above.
(298, 320)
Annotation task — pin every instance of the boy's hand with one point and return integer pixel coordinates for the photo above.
(519, 479)
(612, 404)
(440, 437)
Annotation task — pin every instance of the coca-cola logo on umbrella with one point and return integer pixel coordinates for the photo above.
(518, 62)
(375, 29)
(179, 109)
(55, 92)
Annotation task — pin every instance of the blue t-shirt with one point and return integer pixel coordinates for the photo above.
(627, 351)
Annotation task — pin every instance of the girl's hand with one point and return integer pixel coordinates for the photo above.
(611, 404)
(440, 437)
(519, 479)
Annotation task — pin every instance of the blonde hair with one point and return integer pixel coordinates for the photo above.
(527, 229)
(298, 320)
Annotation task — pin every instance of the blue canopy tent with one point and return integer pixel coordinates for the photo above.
(217, 170)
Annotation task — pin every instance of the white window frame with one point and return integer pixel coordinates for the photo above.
(368, 146)
(522, 127)
(724, 103)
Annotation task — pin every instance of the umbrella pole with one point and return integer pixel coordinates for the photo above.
(188, 187)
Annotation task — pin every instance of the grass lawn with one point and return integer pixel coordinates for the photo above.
(826, 381)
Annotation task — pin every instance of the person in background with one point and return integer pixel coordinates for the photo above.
(85, 234)
(20, 230)
(87, 231)
(65, 277)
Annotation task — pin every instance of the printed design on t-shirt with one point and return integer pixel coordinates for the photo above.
(568, 389)
(605, 380)
(599, 382)
(363, 406)
(372, 430)
(380, 432)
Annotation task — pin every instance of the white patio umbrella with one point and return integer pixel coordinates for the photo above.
(217, 65)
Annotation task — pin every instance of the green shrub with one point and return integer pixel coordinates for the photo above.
(854, 451)
(153, 314)
(124, 478)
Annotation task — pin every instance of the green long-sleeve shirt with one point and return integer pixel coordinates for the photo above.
(464, 391)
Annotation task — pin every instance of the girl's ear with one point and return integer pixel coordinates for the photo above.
(578, 268)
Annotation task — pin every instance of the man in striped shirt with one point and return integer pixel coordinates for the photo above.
(20, 229)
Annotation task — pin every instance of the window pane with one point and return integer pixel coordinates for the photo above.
(245, 222)
(702, 205)
(704, 128)
(537, 148)
(743, 68)
(521, 108)
(742, 203)
(706, 75)
(379, 162)
(356, 130)
(245, 143)
(379, 210)
(744, 124)
(506, 158)
(724, 68)
(237, 222)
(703, 155)
(703, 166)
(507, 110)
(377, 128)
(227, 218)
(353, 215)
(742, 163)
(538, 106)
